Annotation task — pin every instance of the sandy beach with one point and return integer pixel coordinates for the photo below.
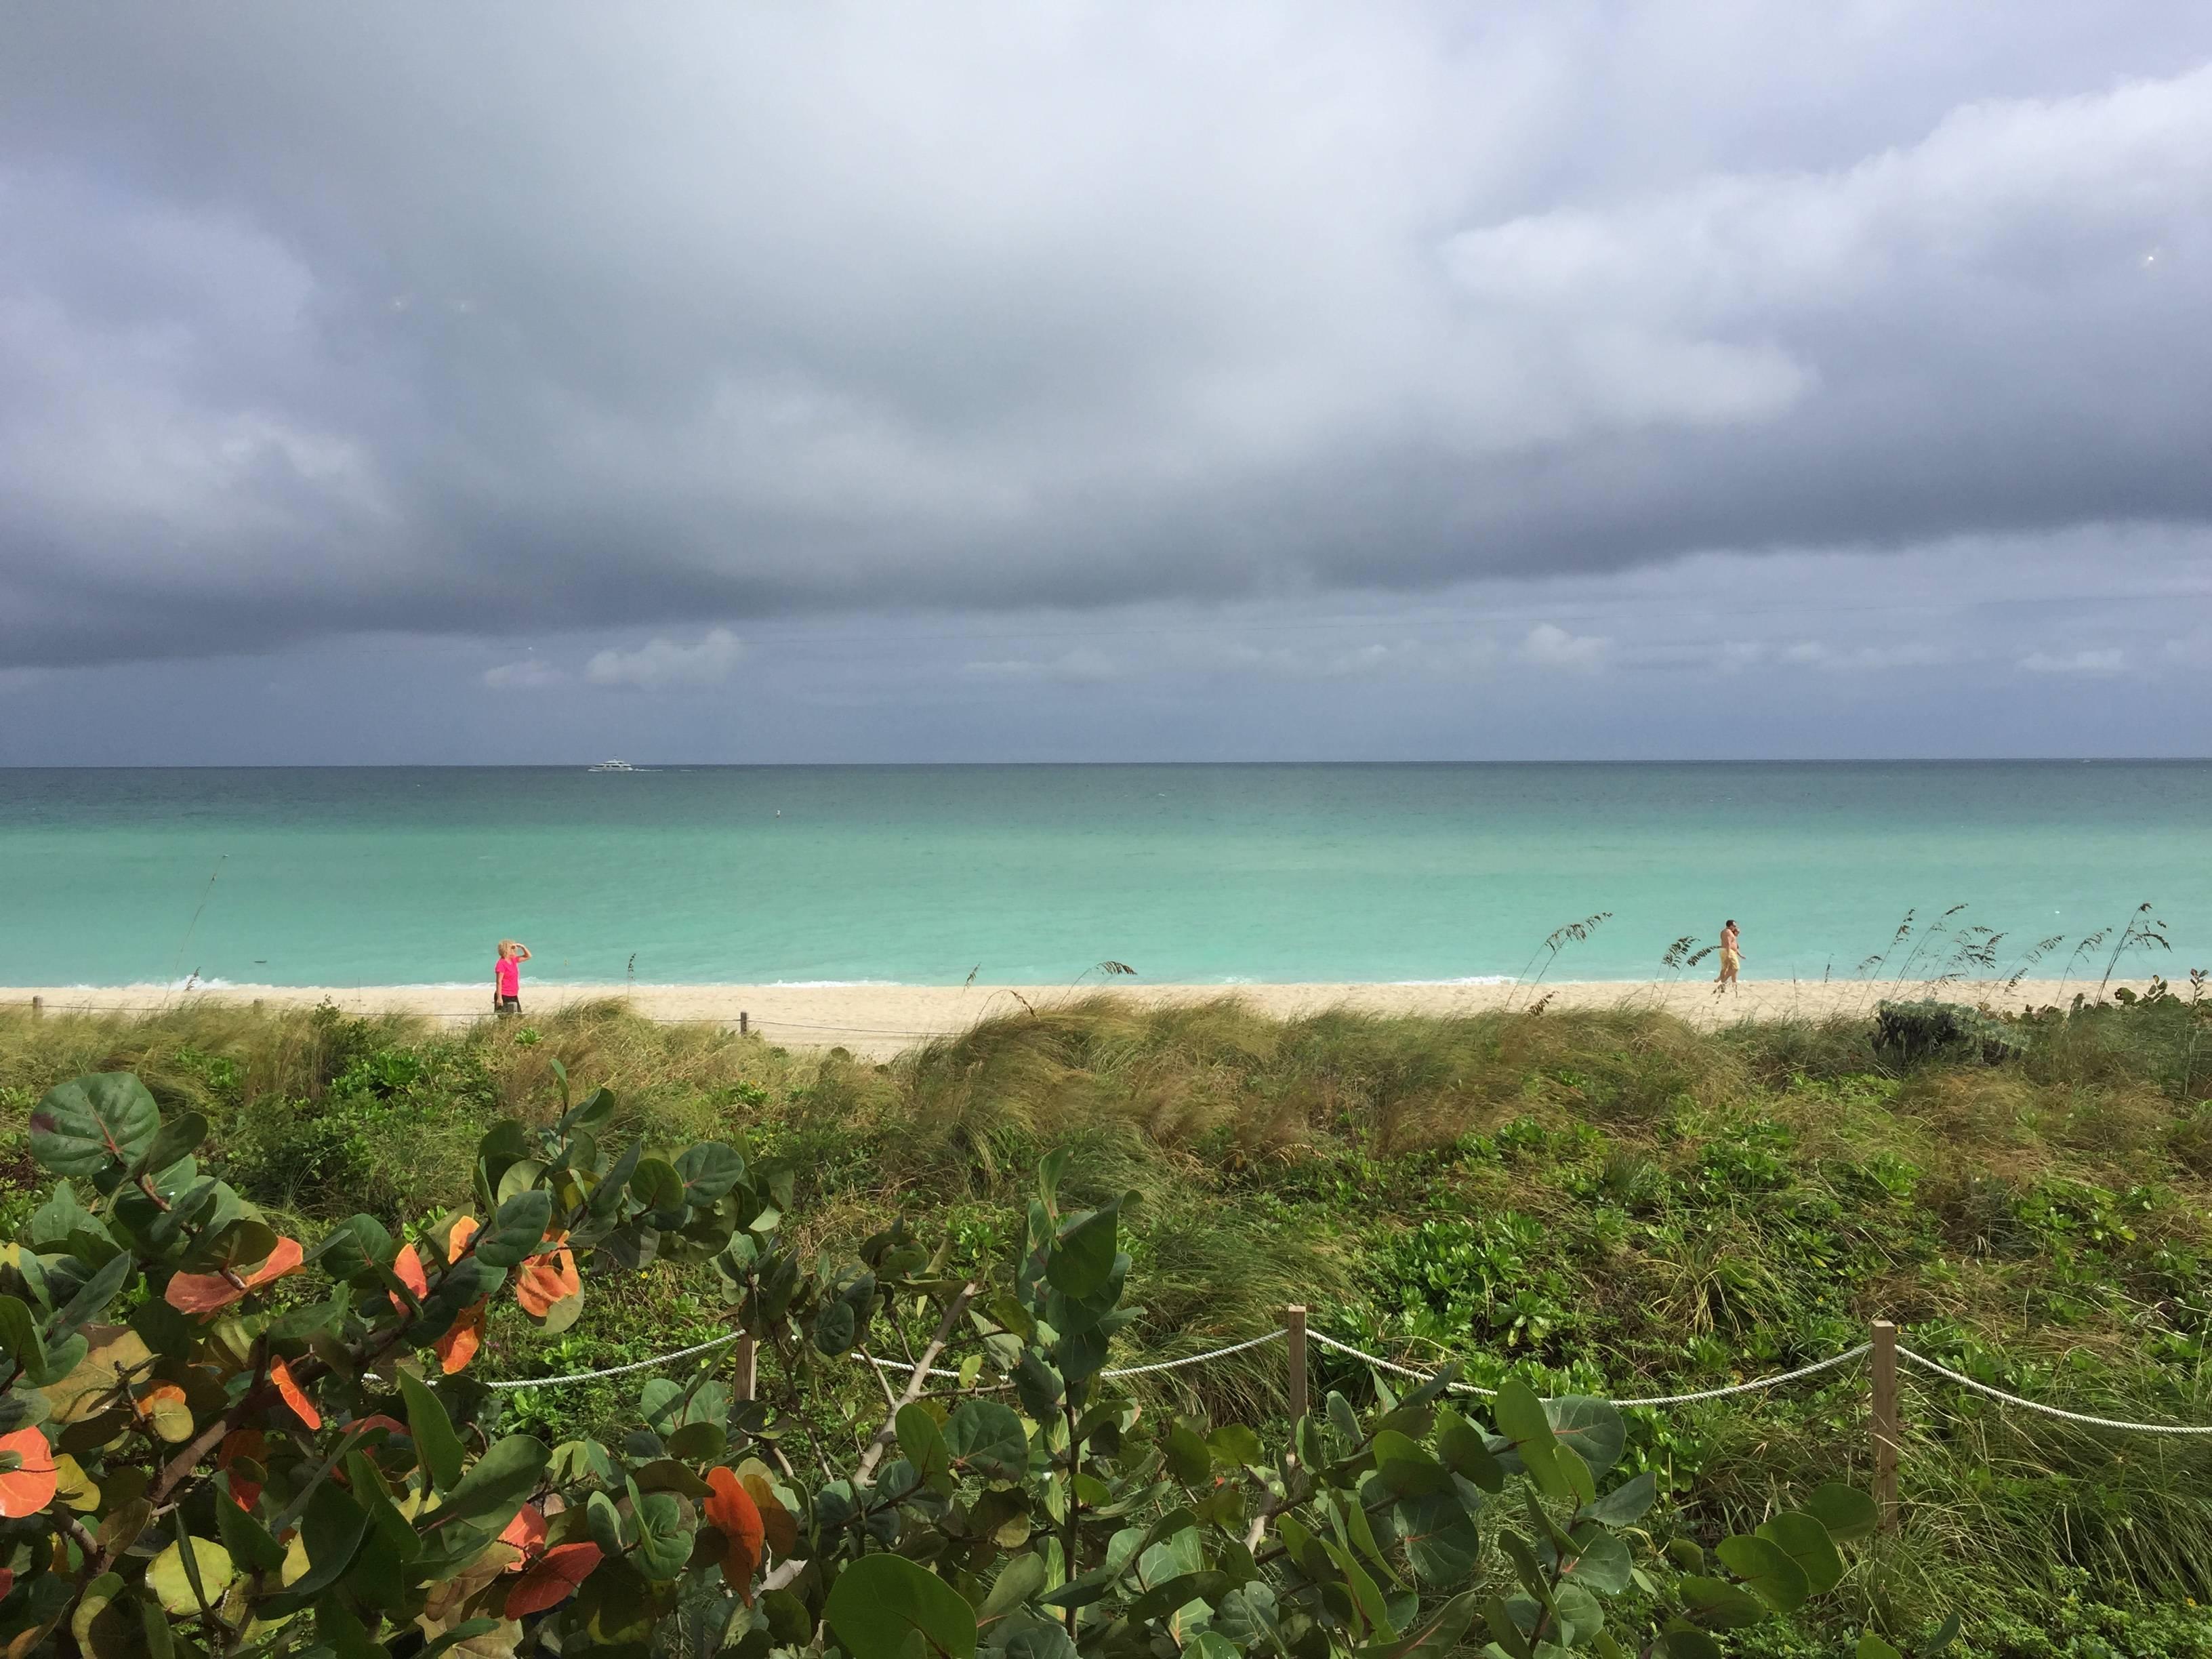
(880, 1020)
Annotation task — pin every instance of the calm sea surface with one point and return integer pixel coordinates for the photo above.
(1033, 873)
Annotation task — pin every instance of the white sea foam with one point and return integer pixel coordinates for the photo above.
(1469, 979)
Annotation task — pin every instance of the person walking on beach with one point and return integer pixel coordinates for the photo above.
(1731, 956)
(506, 977)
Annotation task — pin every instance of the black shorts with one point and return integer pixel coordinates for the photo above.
(507, 1004)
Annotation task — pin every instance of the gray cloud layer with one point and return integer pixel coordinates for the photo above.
(503, 319)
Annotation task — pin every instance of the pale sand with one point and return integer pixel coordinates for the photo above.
(880, 1020)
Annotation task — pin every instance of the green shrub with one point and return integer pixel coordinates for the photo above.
(1911, 1033)
(284, 1451)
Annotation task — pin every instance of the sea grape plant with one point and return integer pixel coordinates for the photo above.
(216, 1440)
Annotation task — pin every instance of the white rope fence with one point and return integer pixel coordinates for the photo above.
(2059, 1412)
(1756, 1385)
(1752, 1387)
(621, 1370)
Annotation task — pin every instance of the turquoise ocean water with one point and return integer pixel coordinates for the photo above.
(1030, 874)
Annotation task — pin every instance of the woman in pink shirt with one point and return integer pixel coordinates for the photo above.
(506, 977)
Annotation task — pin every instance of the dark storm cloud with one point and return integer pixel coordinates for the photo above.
(502, 319)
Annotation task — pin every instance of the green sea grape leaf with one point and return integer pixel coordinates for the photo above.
(923, 1443)
(20, 1333)
(709, 1169)
(1806, 1542)
(593, 1109)
(1685, 1641)
(170, 1581)
(1022, 1577)
(1521, 1419)
(1465, 1449)
(1441, 1543)
(1082, 1252)
(663, 1535)
(987, 1439)
(880, 1601)
(357, 1249)
(1188, 1459)
(244, 1537)
(1766, 1571)
(90, 1125)
(171, 1144)
(1626, 1505)
(435, 1443)
(518, 1227)
(1846, 1511)
(1717, 1605)
(1592, 1428)
(508, 1472)
(1602, 1562)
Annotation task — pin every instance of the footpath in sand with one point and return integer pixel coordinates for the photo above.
(879, 1021)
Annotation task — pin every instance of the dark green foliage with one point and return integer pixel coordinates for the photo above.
(1911, 1033)
(326, 1490)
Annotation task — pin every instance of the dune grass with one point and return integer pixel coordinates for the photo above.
(1614, 1202)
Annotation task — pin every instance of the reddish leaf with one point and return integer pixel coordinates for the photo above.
(458, 1236)
(6, 1582)
(462, 1338)
(408, 1266)
(526, 1533)
(548, 1277)
(552, 1578)
(731, 1512)
(286, 1258)
(207, 1293)
(247, 1443)
(202, 1293)
(29, 1486)
(302, 1407)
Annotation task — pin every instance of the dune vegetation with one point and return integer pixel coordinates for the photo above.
(1608, 1203)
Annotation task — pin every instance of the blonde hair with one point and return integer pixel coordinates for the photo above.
(506, 944)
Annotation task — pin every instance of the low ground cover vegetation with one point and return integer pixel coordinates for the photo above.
(1586, 1204)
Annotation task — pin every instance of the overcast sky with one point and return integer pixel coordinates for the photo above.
(815, 381)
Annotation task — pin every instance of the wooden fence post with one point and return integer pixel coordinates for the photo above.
(1885, 1424)
(1294, 1317)
(742, 1022)
(38, 1007)
(748, 1353)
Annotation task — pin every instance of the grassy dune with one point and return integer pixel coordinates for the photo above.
(1615, 1201)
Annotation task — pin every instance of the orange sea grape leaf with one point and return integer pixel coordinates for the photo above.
(552, 1578)
(526, 1533)
(29, 1486)
(302, 1407)
(731, 1512)
(287, 1258)
(457, 1235)
(407, 1268)
(547, 1277)
(462, 1338)
(207, 1293)
(202, 1293)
